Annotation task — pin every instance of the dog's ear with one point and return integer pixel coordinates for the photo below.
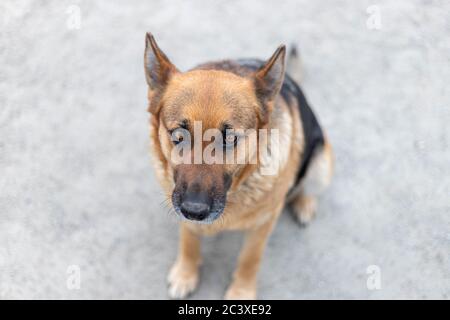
(158, 68)
(268, 81)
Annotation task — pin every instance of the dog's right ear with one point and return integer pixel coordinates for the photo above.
(158, 68)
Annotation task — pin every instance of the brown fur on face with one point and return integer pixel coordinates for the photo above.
(218, 100)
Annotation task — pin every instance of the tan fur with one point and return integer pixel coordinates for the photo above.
(254, 201)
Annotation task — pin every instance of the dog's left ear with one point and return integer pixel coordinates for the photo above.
(268, 81)
(158, 68)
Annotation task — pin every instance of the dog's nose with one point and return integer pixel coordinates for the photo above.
(195, 205)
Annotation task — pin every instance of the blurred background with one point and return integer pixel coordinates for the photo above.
(81, 214)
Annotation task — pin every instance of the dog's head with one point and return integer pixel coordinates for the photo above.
(205, 112)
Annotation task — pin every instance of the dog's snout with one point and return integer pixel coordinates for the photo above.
(200, 192)
(195, 205)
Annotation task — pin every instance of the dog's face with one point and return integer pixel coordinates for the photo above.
(205, 115)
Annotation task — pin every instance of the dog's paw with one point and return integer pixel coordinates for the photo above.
(236, 292)
(182, 280)
(305, 209)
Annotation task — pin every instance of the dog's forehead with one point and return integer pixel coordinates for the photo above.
(210, 96)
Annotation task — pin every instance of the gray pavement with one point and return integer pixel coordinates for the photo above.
(76, 182)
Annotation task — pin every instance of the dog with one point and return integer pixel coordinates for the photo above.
(213, 197)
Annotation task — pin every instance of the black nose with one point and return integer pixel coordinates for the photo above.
(195, 205)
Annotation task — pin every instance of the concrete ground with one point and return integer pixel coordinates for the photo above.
(77, 190)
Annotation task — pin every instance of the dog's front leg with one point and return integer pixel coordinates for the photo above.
(183, 277)
(244, 281)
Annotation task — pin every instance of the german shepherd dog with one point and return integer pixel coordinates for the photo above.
(210, 197)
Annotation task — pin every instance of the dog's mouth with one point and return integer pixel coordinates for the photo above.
(199, 207)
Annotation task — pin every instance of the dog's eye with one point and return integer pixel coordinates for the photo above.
(230, 140)
(179, 135)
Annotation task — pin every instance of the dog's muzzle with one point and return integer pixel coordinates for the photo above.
(200, 193)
